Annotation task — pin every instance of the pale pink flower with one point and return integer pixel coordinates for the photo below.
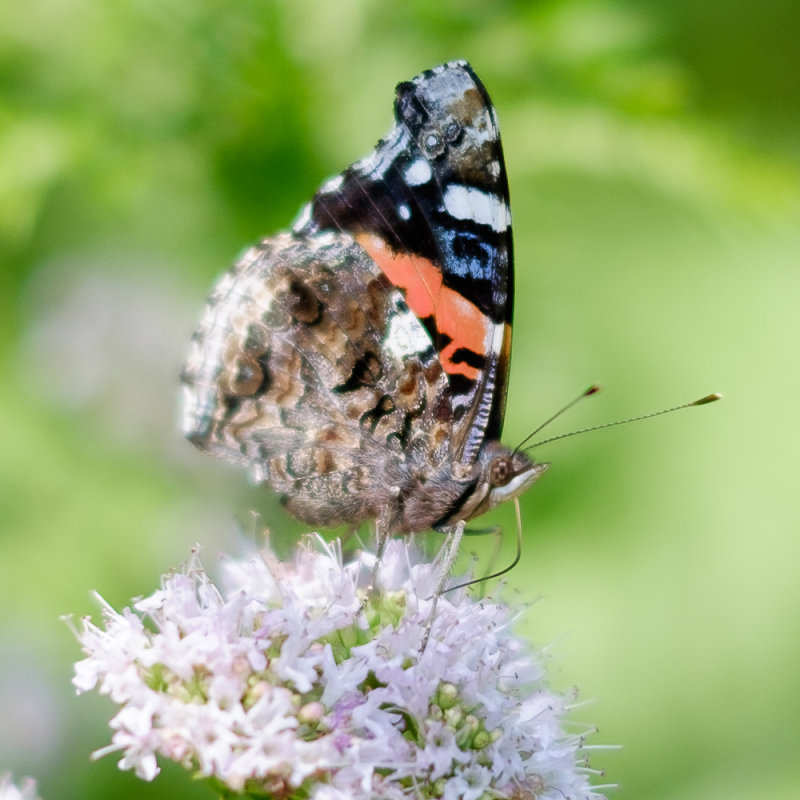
(284, 681)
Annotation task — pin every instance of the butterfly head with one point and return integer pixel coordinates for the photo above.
(505, 474)
(499, 474)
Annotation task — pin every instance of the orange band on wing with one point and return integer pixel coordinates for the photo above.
(456, 317)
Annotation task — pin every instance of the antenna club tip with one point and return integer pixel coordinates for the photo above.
(593, 389)
(709, 398)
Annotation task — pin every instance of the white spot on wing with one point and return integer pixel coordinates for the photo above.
(418, 172)
(485, 208)
(495, 339)
(303, 218)
(379, 160)
(405, 336)
(332, 184)
(404, 211)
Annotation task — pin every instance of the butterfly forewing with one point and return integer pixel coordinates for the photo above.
(430, 206)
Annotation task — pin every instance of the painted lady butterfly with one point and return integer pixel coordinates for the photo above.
(358, 364)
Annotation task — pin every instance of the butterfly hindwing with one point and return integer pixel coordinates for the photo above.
(310, 369)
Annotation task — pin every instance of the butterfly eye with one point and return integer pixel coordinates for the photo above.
(501, 471)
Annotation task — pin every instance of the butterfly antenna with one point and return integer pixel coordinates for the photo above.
(709, 398)
(593, 389)
(503, 571)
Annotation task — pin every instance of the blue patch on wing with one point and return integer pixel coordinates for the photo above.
(467, 254)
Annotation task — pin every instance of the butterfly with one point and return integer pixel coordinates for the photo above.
(358, 364)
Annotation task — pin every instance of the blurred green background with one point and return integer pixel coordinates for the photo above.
(654, 163)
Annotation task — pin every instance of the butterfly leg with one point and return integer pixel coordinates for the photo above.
(451, 548)
(503, 571)
(382, 534)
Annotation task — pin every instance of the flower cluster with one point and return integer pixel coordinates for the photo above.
(289, 683)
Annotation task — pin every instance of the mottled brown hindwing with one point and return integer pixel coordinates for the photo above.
(310, 369)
